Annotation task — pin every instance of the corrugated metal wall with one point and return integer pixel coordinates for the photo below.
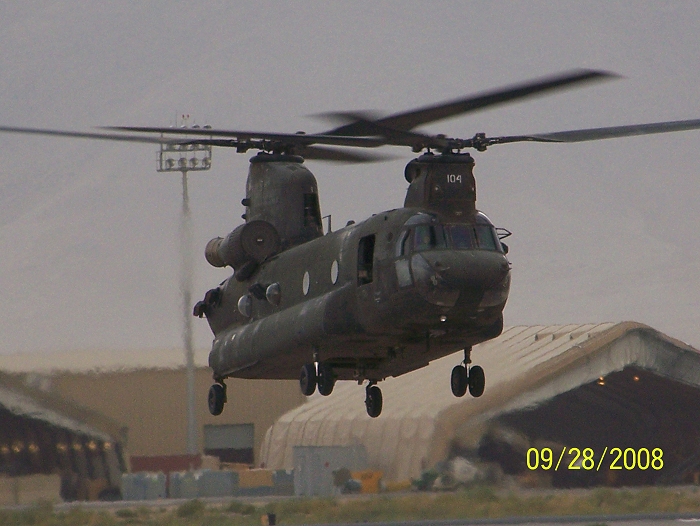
(152, 404)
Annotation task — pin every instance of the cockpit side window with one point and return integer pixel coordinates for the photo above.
(402, 246)
(485, 237)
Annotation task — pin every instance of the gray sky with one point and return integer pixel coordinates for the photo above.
(603, 231)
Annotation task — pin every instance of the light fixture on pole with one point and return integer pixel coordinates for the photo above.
(184, 158)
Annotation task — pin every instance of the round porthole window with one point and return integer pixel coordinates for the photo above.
(334, 271)
(245, 305)
(273, 293)
(305, 283)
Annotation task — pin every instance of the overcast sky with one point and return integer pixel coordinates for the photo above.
(602, 231)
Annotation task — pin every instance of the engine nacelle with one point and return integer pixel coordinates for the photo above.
(254, 241)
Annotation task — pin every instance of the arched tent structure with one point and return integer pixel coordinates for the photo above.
(43, 434)
(594, 385)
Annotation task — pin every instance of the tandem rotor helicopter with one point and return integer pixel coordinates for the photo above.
(377, 298)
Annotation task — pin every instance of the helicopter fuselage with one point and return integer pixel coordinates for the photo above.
(375, 299)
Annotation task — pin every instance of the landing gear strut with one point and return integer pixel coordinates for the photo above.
(373, 400)
(217, 398)
(465, 377)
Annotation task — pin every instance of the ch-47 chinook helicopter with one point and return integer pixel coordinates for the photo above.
(377, 298)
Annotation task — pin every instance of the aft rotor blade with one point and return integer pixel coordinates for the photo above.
(594, 134)
(324, 153)
(391, 136)
(411, 119)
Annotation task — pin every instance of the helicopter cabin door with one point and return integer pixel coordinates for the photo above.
(368, 281)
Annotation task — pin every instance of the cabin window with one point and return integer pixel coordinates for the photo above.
(365, 260)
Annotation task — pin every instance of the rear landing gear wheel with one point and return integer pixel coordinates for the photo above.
(307, 379)
(458, 381)
(373, 401)
(217, 399)
(477, 381)
(325, 379)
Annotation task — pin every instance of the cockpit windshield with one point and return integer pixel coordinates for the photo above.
(459, 237)
(473, 236)
(429, 237)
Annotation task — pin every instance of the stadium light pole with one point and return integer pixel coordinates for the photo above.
(184, 158)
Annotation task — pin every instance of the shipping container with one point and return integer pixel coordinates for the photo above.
(143, 486)
(314, 467)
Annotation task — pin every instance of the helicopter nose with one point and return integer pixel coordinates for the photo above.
(444, 276)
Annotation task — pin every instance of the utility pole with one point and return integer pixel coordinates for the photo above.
(184, 158)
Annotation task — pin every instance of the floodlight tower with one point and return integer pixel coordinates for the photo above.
(184, 158)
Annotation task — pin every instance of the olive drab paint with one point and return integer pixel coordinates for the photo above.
(375, 299)
(283, 192)
(443, 184)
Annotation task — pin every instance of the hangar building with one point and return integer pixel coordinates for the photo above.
(146, 392)
(608, 385)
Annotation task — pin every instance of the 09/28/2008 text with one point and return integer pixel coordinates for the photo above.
(586, 459)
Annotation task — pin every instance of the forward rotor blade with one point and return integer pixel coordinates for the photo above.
(238, 139)
(594, 134)
(92, 135)
(242, 136)
(411, 119)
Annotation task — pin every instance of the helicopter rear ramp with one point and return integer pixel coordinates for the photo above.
(615, 385)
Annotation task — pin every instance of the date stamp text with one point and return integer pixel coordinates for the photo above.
(587, 459)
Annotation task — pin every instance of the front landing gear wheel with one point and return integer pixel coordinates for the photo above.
(373, 401)
(325, 379)
(458, 381)
(477, 381)
(217, 399)
(307, 379)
